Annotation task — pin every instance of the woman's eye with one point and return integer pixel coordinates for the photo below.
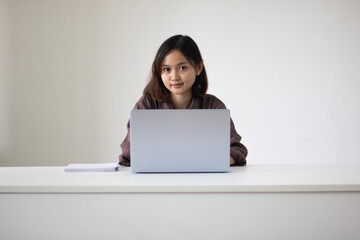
(166, 69)
(183, 68)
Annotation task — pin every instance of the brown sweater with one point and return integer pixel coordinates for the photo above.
(237, 150)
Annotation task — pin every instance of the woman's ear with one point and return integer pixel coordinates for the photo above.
(199, 68)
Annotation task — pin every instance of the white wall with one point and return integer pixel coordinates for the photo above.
(72, 70)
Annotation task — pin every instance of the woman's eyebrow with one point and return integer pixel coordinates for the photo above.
(164, 65)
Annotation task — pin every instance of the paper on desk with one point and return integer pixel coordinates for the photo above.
(97, 167)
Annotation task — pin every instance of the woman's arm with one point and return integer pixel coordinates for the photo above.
(145, 102)
(238, 151)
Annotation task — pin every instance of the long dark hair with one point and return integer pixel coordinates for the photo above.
(190, 50)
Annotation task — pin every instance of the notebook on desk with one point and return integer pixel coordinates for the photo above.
(180, 140)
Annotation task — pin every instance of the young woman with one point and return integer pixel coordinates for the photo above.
(179, 81)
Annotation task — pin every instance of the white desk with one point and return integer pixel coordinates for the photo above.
(252, 202)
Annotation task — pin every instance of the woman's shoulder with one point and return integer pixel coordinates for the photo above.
(146, 102)
(211, 101)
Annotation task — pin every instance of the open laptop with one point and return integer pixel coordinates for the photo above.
(180, 140)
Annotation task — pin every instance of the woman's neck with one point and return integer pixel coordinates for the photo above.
(181, 101)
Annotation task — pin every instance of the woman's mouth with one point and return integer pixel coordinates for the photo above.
(176, 85)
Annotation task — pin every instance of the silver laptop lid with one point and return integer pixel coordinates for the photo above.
(180, 140)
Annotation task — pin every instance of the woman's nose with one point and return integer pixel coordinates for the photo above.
(175, 75)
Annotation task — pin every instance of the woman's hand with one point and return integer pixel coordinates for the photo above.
(232, 161)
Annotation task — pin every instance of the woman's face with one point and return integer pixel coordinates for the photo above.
(178, 74)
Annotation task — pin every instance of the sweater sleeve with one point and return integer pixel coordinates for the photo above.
(237, 150)
(145, 102)
(124, 158)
